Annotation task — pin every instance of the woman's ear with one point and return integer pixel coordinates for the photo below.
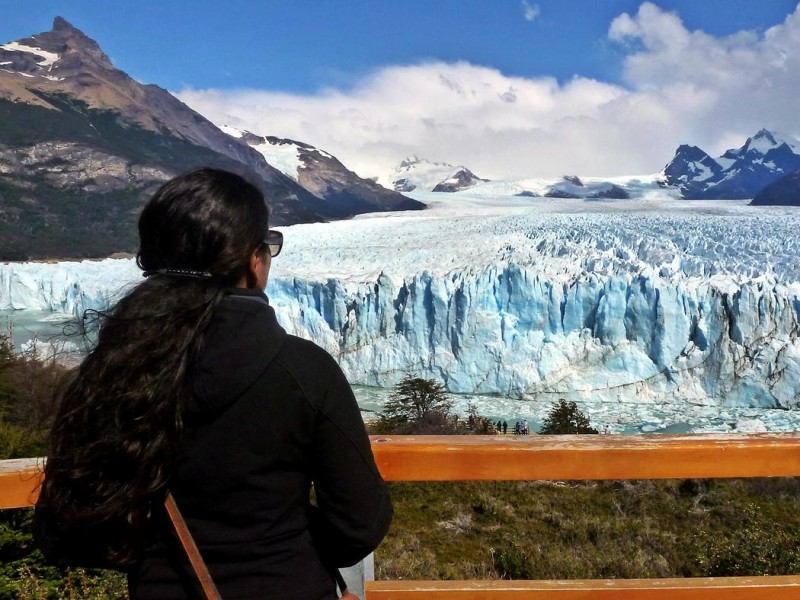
(258, 272)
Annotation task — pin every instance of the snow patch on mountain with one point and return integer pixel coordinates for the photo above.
(288, 156)
(765, 140)
(232, 131)
(47, 58)
(43, 63)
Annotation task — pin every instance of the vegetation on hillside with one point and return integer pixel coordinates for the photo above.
(43, 218)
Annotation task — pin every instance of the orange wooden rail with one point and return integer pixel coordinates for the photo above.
(706, 588)
(19, 482)
(461, 458)
(563, 457)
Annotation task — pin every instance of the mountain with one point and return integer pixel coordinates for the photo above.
(691, 169)
(460, 180)
(339, 192)
(82, 145)
(739, 173)
(784, 192)
(419, 174)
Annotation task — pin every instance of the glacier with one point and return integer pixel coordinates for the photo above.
(633, 302)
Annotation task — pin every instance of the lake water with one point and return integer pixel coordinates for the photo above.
(55, 332)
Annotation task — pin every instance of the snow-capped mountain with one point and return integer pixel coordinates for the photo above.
(462, 179)
(739, 173)
(340, 192)
(421, 175)
(82, 145)
(571, 186)
(645, 187)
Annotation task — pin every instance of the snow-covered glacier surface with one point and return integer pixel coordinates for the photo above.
(635, 303)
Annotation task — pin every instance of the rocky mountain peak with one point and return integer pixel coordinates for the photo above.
(685, 149)
(63, 58)
(77, 131)
(762, 143)
(65, 38)
(688, 158)
(61, 24)
(462, 179)
(409, 162)
(573, 179)
(765, 134)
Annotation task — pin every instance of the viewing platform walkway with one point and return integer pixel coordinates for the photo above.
(562, 457)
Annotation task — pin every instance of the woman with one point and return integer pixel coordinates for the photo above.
(194, 388)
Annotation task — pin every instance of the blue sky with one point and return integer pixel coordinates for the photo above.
(305, 45)
(354, 76)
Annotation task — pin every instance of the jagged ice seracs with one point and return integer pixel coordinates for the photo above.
(638, 301)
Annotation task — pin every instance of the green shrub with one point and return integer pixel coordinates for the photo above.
(757, 546)
(511, 561)
(565, 418)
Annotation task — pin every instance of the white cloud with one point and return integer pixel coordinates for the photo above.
(530, 11)
(681, 86)
(725, 87)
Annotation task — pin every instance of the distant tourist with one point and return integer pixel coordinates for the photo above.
(194, 389)
(505, 427)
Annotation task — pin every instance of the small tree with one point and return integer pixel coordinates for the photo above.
(565, 417)
(418, 406)
(416, 399)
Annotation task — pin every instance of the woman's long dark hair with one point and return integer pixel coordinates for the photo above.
(117, 434)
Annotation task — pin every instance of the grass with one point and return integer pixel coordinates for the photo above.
(621, 529)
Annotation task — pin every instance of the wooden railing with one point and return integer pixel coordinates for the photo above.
(463, 458)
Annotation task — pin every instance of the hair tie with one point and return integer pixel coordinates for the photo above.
(179, 273)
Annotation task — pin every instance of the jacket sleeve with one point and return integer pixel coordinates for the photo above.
(354, 508)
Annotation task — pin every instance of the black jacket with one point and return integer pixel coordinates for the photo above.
(272, 415)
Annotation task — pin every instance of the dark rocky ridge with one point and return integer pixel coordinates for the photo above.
(784, 192)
